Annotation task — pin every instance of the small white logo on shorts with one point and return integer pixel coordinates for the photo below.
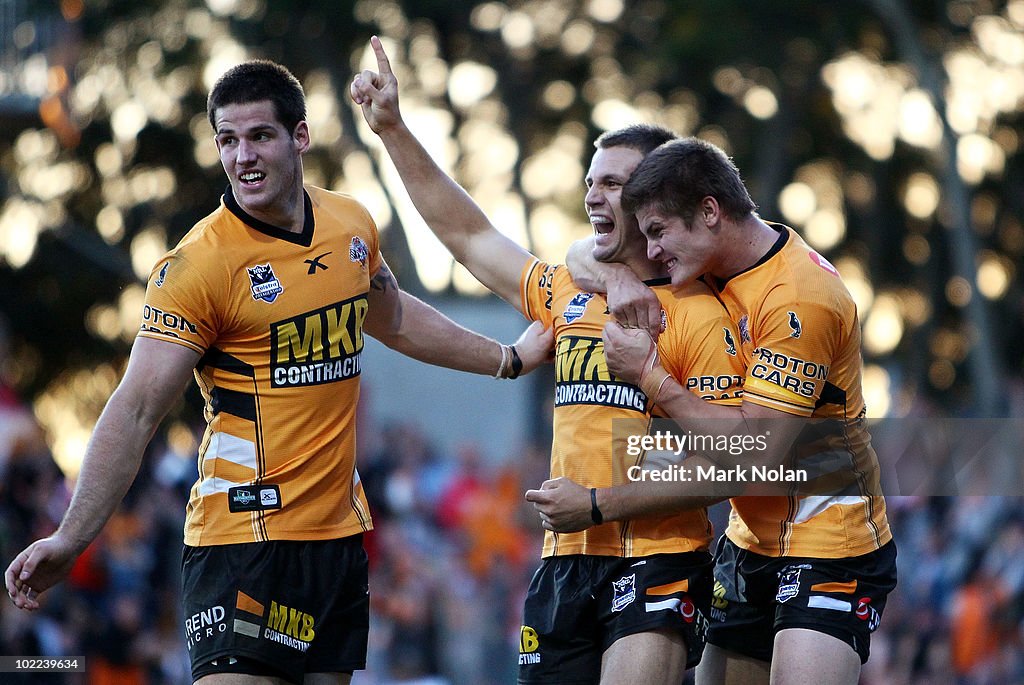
(625, 592)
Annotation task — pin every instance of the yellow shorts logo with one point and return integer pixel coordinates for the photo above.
(528, 640)
(288, 621)
(718, 599)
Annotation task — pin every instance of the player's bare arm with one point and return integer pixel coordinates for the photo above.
(630, 302)
(156, 376)
(410, 326)
(496, 260)
(631, 354)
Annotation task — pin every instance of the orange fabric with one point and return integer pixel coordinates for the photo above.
(800, 342)
(278, 317)
(595, 412)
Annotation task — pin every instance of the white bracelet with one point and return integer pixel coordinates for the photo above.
(506, 358)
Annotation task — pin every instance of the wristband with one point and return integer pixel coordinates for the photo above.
(503, 366)
(595, 513)
(517, 363)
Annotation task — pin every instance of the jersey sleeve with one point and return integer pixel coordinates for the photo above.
(699, 349)
(180, 305)
(795, 343)
(535, 288)
(375, 259)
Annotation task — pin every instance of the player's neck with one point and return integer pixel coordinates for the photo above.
(645, 269)
(746, 243)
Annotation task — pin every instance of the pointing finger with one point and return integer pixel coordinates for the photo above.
(383, 65)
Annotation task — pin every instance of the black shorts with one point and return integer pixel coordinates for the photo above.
(757, 596)
(577, 606)
(286, 607)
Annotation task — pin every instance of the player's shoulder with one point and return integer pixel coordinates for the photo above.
(692, 296)
(207, 241)
(335, 201)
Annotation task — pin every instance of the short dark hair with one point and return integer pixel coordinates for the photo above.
(640, 137)
(681, 173)
(259, 80)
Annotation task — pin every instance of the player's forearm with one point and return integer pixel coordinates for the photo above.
(588, 273)
(111, 462)
(449, 211)
(644, 499)
(429, 336)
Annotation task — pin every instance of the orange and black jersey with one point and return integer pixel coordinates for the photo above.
(595, 413)
(278, 318)
(800, 341)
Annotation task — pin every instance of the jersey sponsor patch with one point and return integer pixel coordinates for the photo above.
(254, 498)
(321, 346)
(264, 283)
(582, 377)
(576, 307)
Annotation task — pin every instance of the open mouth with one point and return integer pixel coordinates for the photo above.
(602, 226)
(251, 178)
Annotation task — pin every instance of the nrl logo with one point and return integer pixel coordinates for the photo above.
(576, 307)
(265, 285)
(625, 592)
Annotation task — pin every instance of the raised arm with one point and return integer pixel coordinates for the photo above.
(495, 259)
(157, 374)
(414, 328)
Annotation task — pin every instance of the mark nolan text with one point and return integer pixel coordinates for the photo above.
(717, 474)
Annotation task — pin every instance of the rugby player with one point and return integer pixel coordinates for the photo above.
(265, 302)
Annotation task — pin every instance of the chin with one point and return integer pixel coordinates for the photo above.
(604, 254)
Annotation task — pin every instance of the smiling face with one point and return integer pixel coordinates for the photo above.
(616, 236)
(263, 161)
(687, 251)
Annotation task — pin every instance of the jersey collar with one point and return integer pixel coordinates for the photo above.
(776, 248)
(305, 238)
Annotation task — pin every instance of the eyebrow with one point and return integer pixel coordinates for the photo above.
(254, 129)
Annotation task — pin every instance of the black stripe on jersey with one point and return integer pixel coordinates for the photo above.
(240, 404)
(527, 282)
(218, 359)
(305, 238)
(261, 460)
(831, 394)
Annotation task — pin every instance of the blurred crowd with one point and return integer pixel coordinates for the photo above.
(451, 557)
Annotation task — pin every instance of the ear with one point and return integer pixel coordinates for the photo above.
(710, 211)
(301, 137)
